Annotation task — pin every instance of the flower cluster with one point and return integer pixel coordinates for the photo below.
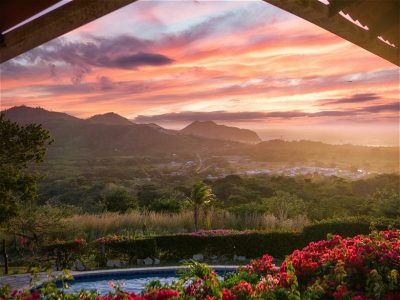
(117, 238)
(59, 242)
(23, 295)
(75, 242)
(23, 241)
(80, 241)
(358, 268)
(262, 266)
(109, 238)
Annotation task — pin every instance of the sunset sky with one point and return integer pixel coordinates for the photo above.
(172, 62)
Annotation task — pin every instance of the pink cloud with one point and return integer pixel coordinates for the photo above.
(158, 56)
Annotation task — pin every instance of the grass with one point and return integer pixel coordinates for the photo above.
(152, 223)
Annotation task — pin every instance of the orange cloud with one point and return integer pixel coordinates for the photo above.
(141, 61)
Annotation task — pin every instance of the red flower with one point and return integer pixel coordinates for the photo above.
(340, 292)
(227, 295)
(166, 294)
(79, 241)
(243, 289)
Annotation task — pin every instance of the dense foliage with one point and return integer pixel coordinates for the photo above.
(363, 267)
(119, 201)
(315, 196)
(19, 146)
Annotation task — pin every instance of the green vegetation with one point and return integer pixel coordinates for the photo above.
(19, 147)
(224, 244)
(119, 201)
(156, 187)
(315, 196)
(201, 196)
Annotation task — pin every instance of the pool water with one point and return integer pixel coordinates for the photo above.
(131, 282)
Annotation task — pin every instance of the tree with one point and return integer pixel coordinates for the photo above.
(147, 194)
(20, 146)
(283, 205)
(201, 195)
(167, 204)
(37, 225)
(385, 202)
(120, 201)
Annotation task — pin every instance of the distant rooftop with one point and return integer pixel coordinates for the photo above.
(370, 24)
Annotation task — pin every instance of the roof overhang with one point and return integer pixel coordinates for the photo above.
(381, 17)
(48, 26)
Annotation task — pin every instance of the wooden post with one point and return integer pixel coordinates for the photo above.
(5, 256)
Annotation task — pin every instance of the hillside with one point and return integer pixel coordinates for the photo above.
(161, 129)
(109, 119)
(26, 115)
(109, 135)
(210, 129)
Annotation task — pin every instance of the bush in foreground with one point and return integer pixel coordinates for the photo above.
(362, 267)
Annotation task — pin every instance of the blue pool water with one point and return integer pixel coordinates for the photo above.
(132, 281)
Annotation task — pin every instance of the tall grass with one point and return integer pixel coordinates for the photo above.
(150, 223)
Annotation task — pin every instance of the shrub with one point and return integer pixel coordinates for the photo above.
(132, 249)
(347, 227)
(120, 201)
(256, 244)
(167, 205)
(179, 246)
(64, 253)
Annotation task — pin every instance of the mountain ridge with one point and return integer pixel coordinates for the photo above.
(24, 114)
(76, 137)
(110, 118)
(211, 129)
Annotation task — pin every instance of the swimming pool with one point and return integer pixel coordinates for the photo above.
(133, 280)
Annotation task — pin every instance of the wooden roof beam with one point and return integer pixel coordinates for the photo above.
(317, 13)
(335, 6)
(386, 21)
(14, 12)
(54, 24)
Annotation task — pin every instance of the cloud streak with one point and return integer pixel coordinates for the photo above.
(137, 60)
(252, 116)
(120, 52)
(357, 98)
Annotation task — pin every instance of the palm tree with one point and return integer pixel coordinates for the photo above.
(201, 195)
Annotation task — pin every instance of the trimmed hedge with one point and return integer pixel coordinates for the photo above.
(348, 227)
(180, 246)
(131, 249)
(250, 245)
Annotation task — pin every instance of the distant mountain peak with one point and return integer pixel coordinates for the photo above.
(109, 118)
(23, 109)
(208, 122)
(26, 114)
(210, 129)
